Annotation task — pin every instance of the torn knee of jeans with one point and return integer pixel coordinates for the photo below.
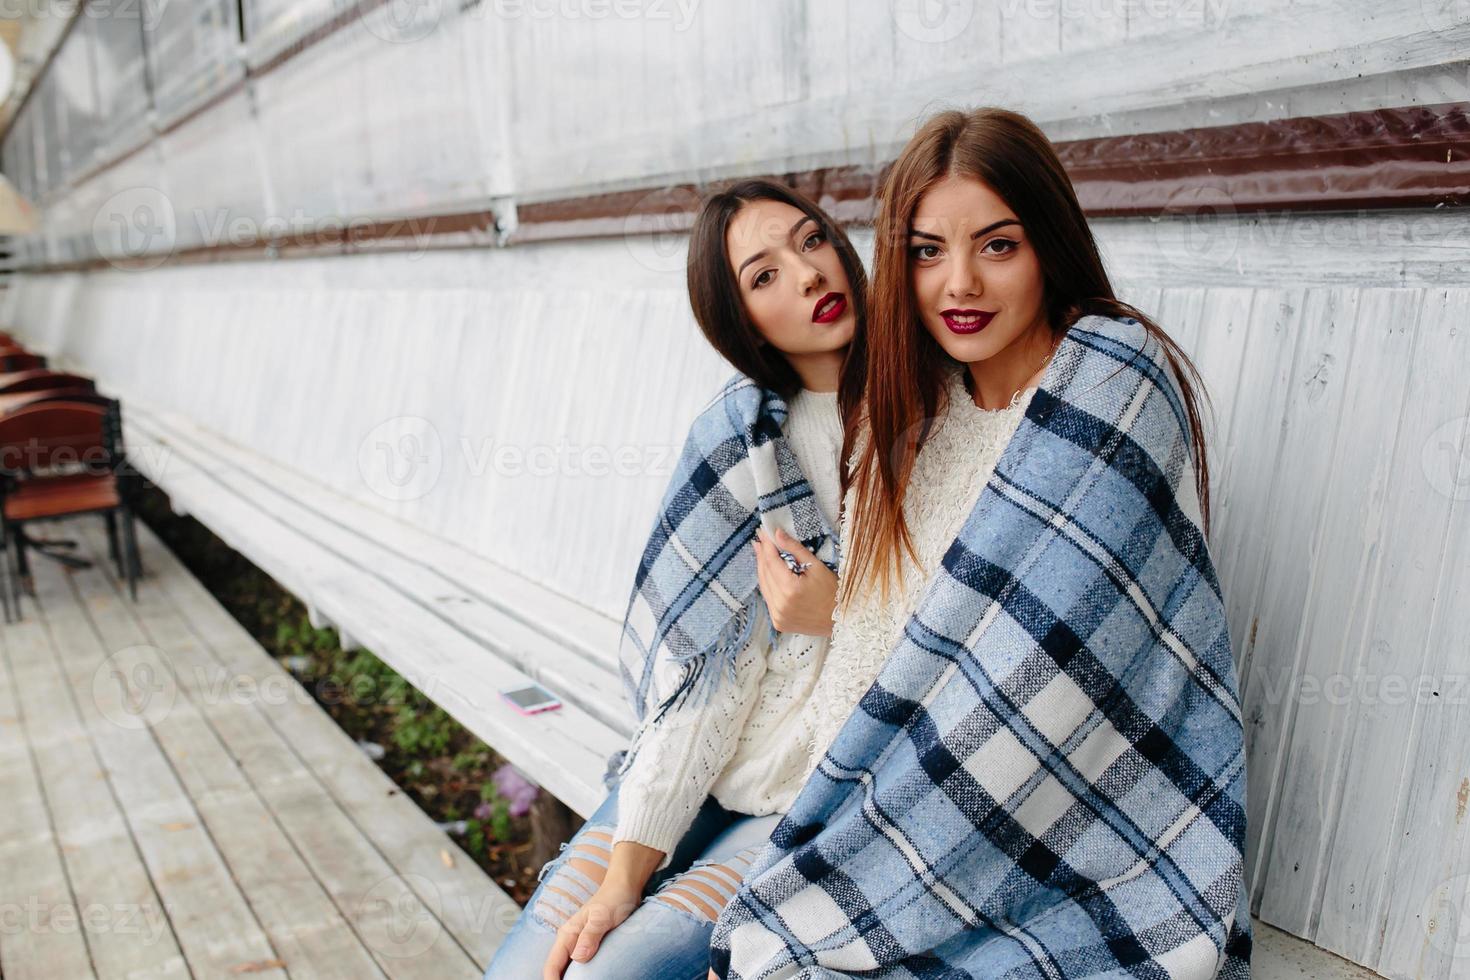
(706, 888)
(575, 876)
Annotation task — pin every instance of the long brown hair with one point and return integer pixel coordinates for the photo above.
(903, 364)
(714, 293)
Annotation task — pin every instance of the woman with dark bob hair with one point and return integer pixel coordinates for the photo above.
(728, 623)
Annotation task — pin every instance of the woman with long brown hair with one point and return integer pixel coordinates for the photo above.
(1039, 767)
(981, 242)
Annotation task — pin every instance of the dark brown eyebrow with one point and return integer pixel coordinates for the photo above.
(762, 253)
(914, 233)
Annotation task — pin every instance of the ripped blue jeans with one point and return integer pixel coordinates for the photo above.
(667, 936)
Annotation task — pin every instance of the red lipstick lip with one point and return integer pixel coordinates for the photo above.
(837, 310)
(965, 328)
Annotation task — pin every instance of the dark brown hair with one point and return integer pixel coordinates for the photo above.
(903, 364)
(714, 293)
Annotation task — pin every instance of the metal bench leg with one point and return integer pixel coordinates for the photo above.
(134, 559)
(43, 546)
(14, 571)
(5, 584)
(22, 582)
(112, 550)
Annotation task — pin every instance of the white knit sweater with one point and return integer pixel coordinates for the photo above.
(754, 745)
(737, 747)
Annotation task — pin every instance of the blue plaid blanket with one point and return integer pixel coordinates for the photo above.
(1047, 778)
(695, 602)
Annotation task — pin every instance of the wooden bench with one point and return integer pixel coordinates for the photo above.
(457, 626)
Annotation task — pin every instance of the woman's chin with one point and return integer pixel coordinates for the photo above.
(966, 348)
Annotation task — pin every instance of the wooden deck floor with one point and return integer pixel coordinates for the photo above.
(176, 805)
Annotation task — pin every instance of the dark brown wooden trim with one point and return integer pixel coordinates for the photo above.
(1408, 156)
(847, 193)
(464, 230)
(1405, 157)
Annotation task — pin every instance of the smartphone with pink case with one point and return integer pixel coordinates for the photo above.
(531, 699)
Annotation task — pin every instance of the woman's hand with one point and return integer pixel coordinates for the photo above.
(581, 935)
(798, 603)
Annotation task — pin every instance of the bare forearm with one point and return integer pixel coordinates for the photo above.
(632, 864)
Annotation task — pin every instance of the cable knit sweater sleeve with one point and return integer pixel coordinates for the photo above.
(680, 759)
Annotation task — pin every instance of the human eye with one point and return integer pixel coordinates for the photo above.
(762, 277)
(813, 240)
(924, 251)
(1005, 246)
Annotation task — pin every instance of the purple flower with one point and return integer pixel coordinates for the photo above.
(518, 791)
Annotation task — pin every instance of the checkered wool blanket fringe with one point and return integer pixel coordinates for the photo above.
(1047, 778)
(695, 602)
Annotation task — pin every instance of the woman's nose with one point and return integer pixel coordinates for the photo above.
(962, 281)
(810, 278)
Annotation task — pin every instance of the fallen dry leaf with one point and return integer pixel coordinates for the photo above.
(258, 966)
